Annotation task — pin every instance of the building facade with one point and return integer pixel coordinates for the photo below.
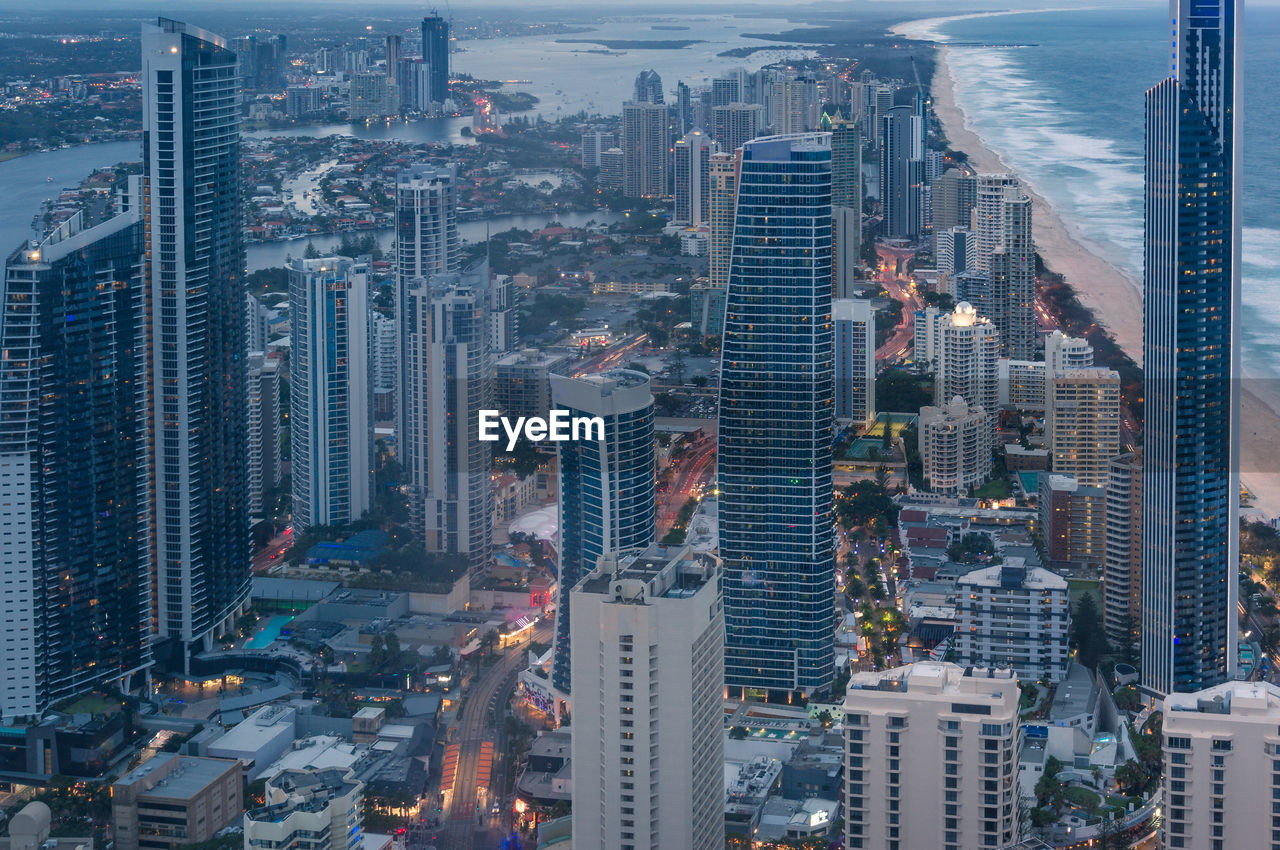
(967, 352)
(648, 740)
(330, 401)
(1073, 522)
(646, 152)
(722, 192)
(1122, 584)
(75, 553)
(451, 495)
(692, 173)
(265, 465)
(735, 124)
(435, 55)
(901, 173)
(776, 421)
(607, 490)
(174, 800)
(195, 266)
(955, 446)
(1219, 765)
(1014, 615)
(855, 360)
(1191, 356)
(1082, 423)
(931, 758)
(846, 206)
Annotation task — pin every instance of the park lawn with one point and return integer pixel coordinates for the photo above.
(1082, 797)
(91, 704)
(997, 489)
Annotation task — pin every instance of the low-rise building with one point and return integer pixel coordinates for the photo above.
(308, 810)
(174, 800)
(1014, 615)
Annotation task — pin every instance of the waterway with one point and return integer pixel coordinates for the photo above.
(266, 255)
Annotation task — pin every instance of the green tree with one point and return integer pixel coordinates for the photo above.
(1086, 629)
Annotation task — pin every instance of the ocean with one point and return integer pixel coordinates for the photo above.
(1067, 114)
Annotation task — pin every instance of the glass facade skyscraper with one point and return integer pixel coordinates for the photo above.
(74, 547)
(329, 398)
(435, 54)
(607, 487)
(194, 269)
(776, 397)
(1191, 352)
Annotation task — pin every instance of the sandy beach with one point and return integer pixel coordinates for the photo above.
(1116, 301)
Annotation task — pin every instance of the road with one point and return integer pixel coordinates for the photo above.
(278, 546)
(613, 356)
(898, 344)
(693, 470)
(478, 724)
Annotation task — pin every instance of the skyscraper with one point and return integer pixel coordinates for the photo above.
(195, 262)
(966, 348)
(75, 548)
(722, 191)
(1082, 423)
(901, 173)
(435, 54)
(682, 112)
(1191, 355)
(735, 124)
(648, 88)
(330, 421)
(846, 205)
(393, 55)
(691, 179)
(265, 467)
(645, 150)
(607, 489)
(1122, 585)
(1011, 273)
(954, 196)
(776, 395)
(988, 214)
(426, 245)
(648, 741)
(793, 105)
(449, 340)
(855, 360)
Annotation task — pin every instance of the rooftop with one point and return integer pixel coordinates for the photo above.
(1014, 573)
(932, 677)
(658, 571)
(1237, 699)
(186, 776)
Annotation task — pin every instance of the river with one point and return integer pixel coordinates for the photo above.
(266, 255)
(566, 77)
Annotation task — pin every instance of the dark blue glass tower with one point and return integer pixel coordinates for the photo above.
(75, 554)
(607, 488)
(1192, 355)
(776, 397)
(195, 276)
(435, 52)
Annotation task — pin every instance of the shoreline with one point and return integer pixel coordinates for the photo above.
(1113, 298)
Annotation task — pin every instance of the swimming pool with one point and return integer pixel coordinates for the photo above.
(268, 634)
